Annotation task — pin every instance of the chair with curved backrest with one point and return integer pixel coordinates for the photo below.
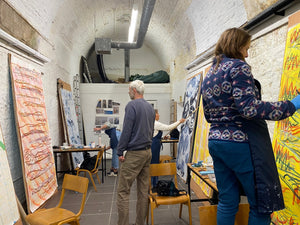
(94, 170)
(58, 215)
(166, 169)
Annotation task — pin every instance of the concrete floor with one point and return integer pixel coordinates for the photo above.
(100, 207)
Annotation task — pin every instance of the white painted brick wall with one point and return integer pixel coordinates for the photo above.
(211, 18)
(266, 60)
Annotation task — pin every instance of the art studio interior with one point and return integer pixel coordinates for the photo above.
(66, 67)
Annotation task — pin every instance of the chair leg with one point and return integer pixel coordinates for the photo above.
(152, 219)
(190, 211)
(180, 210)
(98, 178)
(92, 179)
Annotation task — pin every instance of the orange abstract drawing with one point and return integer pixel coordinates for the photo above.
(33, 131)
(286, 141)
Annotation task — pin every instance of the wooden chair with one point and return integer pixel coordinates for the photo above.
(165, 158)
(93, 171)
(166, 169)
(58, 215)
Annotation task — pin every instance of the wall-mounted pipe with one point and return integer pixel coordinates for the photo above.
(20, 45)
(276, 9)
(102, 45)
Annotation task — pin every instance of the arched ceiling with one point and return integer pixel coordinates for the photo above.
(177, 27)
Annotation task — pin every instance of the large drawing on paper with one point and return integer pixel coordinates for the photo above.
(200, 147)
(190, 104)
(8, 205)
(33, 132)
(70, 120)
(286, 141)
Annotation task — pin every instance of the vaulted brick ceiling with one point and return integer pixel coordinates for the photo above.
(177, 27)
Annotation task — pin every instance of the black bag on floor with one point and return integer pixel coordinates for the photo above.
(167, 188)
(89, 163)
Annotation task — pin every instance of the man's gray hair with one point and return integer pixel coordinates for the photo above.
(138, 85)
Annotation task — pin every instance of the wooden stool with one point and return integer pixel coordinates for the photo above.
(165, 158)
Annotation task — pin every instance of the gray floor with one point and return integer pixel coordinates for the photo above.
(100, 207)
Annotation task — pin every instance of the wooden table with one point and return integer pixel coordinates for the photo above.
(196, 170)
(169, 141)
(70, 150)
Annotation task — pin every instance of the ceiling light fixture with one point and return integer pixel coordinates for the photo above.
(132, 26)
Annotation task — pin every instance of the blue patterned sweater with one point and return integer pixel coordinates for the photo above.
(230, 96)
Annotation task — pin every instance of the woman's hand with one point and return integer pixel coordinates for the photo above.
(97, 128)
(182, 120)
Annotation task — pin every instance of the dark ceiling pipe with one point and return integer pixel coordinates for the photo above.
(276, 9)
(104, 45)
(127, 64)
(145, 19)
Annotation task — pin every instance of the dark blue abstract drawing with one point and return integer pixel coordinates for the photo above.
(71, 124)
(190, 105)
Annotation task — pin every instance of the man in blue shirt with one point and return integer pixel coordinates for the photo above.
(136, 140)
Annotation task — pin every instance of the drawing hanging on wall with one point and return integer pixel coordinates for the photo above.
(190, 106)
(8, 205)
(70, 121)
(33, 133)
(286, 140)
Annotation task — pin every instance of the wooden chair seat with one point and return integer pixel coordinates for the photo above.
(49, 216)
(166, 169)
(58, 215)
(167, 200)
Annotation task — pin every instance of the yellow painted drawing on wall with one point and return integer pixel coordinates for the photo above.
(200, 149)
(286, 141)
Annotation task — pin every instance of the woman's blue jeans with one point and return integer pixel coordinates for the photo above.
(233, 169)
(115, 159)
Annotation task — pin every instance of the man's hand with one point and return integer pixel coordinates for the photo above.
(121, 158)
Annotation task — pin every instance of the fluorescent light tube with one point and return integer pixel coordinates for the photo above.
(132, 26)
